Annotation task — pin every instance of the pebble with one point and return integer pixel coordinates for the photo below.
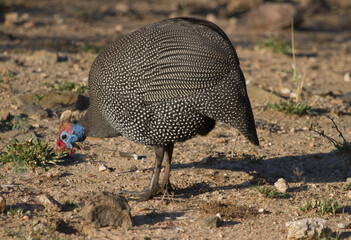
(347, 77)
(102, 168)
(207, 160)
(11, 19)
(209, 220)
(261, 210)
(281, 185)
(49, 202)
(4, 114)
(342, 225)
(348, 180)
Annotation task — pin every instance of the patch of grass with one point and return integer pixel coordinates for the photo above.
(15, 212)
(30, 154)
(291, 107)
(8, 233)
(307, 207)
(22, 123)
(342, 147)
(90, 48)
(253, 159)
(67, 86)
(330, 237)
(347, 187)
(72, 204)
(269, 191)
(276, 45)
(321, 207)
(38, 97)
(328, 207)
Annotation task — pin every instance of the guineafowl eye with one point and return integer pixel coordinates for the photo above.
(64, 136)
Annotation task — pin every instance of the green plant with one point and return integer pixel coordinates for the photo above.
(253, 159)
(328, 207)
(67, 86)
(347, 187)
(321, 207)
(21, 123)
(307, 207)
(276, 45)
(8, 233)
(269, 191)
(72, 204)
(31, 154)
(87, 47)
(14, 212)
(330, 237)
(342, 147)
(291, 107)
(38, 97)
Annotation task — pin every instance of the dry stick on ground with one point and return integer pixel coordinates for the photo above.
(344, 148)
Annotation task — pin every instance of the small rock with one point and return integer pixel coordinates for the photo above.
(281, 185)
(207, 160)
(342, 225)
(40, 226)
(122, 8)
(285, 91)
(44, 56)
(33, 110)
(347, 77)
(102, 168)
(309, 228)
(55, 99)
(348, 180)
(209, 220)
(11, 19)
(47, 226)
(2, 204)
(261, 210)
(245, 184)
(108, 209)
(49, 202)
(4, 115)
(28, 136)
(18, 135)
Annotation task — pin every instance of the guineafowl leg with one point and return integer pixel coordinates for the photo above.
(165, 184)
(153, 186)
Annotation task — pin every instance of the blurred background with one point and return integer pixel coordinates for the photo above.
(65, 25)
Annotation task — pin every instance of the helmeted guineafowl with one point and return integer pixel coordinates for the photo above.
(162, 84)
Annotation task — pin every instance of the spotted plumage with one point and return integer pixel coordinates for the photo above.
(165, 83)
(168, 82)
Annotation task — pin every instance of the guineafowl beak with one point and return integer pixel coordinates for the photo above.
(69, 135)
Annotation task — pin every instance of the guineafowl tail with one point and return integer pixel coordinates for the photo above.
(230, 104)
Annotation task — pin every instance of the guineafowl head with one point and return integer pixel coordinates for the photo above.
(71, 132)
